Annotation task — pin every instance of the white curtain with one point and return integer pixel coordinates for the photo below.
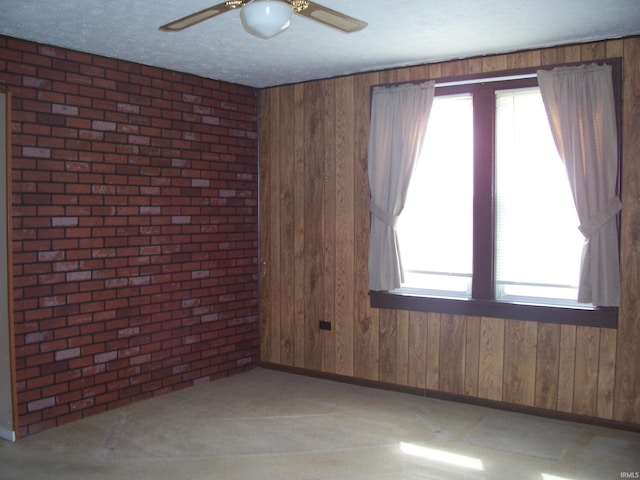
(581, 111)
(398, 124)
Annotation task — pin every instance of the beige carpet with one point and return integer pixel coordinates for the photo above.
(264, 424)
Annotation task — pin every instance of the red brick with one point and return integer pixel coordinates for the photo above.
(113, 255)
(81, 404)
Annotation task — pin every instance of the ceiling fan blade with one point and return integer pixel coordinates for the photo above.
(202, 15)
(330, 17)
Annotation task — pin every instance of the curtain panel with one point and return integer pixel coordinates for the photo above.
(399, 117)
(581, 110)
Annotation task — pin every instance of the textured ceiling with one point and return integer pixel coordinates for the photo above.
(398, 34)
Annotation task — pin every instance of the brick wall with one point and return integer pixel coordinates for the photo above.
(135, 230)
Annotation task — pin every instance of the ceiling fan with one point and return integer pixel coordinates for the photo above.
(266, 11)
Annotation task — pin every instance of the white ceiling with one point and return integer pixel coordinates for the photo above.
(399, 33)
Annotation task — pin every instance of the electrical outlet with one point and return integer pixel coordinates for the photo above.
(325, 325)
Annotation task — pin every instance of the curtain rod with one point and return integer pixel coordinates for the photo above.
(516, 74)
(485, 80)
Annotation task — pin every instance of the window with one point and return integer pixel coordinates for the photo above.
(443, 179)
(489, 225)
(538, 245)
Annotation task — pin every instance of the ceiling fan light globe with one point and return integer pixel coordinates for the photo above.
(266, 18)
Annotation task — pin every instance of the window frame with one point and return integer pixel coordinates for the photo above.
(482, 301)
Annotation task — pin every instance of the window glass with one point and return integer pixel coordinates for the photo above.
(435, 230)
(538, 244)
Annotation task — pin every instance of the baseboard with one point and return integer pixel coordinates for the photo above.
(511, 407)
(7, 434)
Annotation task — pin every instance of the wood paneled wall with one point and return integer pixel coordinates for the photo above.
(314, 244)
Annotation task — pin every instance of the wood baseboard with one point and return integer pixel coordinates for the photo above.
(423, 392)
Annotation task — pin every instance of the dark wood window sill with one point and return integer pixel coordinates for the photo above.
(591, 317)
